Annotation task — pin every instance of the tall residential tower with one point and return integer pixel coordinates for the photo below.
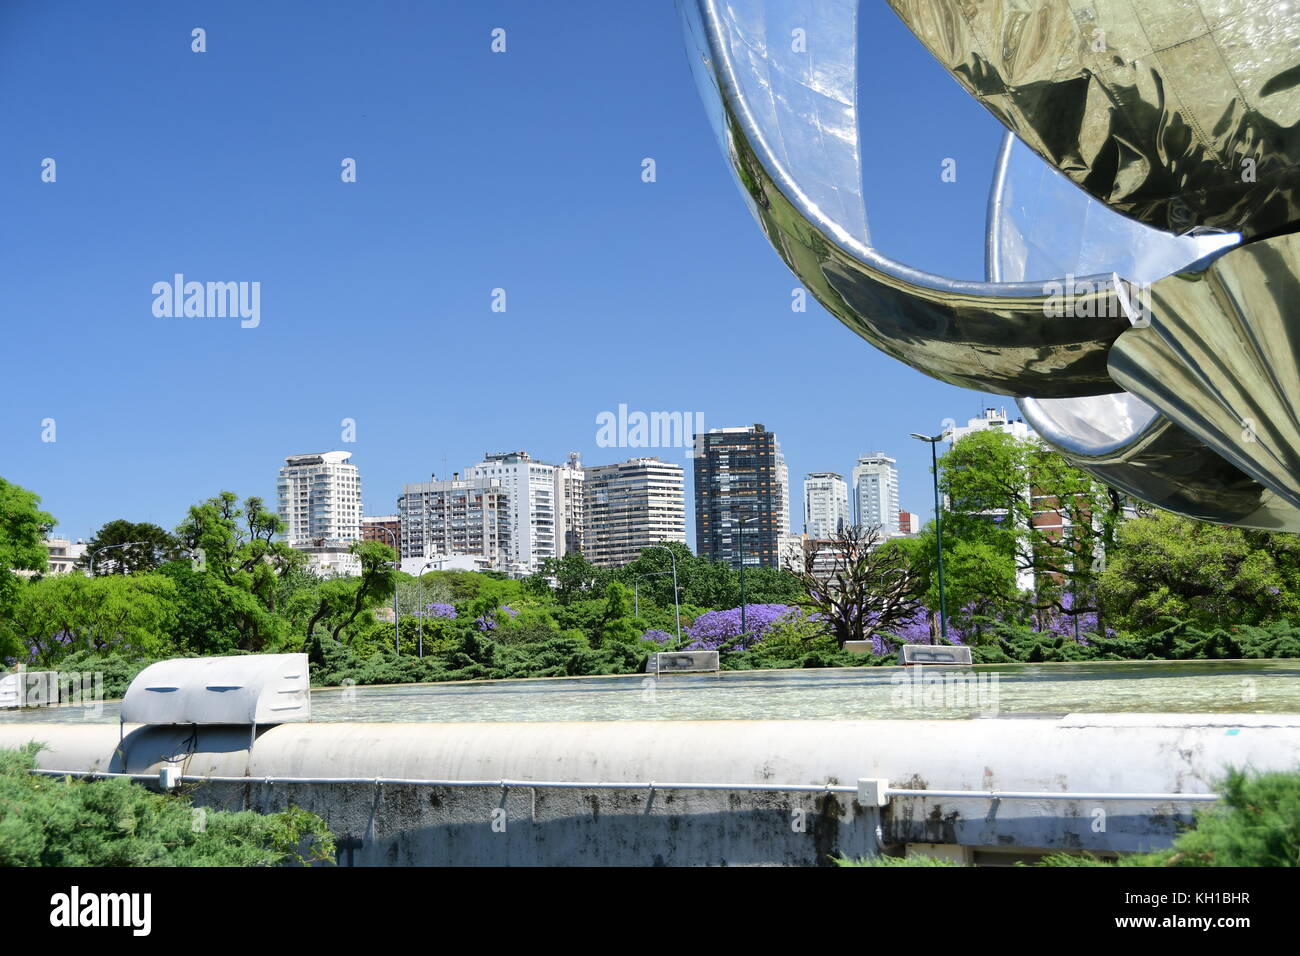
(320, 499)
(740, 475)
(631, 505)
(875, 493)
(530, 486)
(825, 504)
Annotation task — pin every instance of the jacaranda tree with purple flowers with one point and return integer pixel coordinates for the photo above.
(721, 629)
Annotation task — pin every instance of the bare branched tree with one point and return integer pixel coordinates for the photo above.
(859, 589)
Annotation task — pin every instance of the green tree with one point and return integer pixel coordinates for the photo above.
(210, 615)
(704, 583)
(148, 548)
(617, 624)
(23, 527)
(340, 601)
(575, 578)
(56, 616)
(1000, 491)
(1165, 569)
(980, 579)
(238, 548)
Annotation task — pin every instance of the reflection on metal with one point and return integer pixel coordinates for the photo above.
(994, 337)
(1179, 122)
(1221, 358)
(1039, 225)
(1179, 113)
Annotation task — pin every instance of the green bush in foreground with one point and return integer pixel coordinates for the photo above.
(1256, 824)
(58, 821)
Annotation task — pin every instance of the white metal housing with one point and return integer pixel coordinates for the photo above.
(252, 689)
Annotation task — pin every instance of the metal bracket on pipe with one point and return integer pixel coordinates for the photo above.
(873, 791)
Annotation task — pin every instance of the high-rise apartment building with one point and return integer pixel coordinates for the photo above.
(469, 516)
(825, 504)
(994, 419)
(631, 505)
(320, 499)
(875, 493)
(741, 475)
(530, 486)
(570, 520)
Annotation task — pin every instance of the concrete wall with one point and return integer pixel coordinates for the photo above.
(405, 825)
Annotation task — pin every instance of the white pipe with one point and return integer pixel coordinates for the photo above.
(656, 785)
(1053, 795)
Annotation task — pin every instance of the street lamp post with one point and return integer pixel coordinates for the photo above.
(740, 547)
(423, 607)
(677, 601)
(109, 547)
(636, 589)
(938, 527)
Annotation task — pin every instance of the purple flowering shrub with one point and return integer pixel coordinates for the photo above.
(488, 622)
(966, 625)
(656, 635)
(441, 610)
(713, 629)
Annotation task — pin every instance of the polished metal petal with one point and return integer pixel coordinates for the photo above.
(1152, 131)
(1040, 224)
(1221, 358)
(1165, 465)
(1178, 113)
(995, 337)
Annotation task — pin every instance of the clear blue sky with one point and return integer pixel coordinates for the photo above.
(475, 171)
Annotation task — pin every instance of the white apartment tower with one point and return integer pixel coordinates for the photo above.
(875, 493)
(570, 519)
(993, 419)
(530, 486)
(441, 519)
(320, 499)
(825, 504)
(631, 505)
(783, 486)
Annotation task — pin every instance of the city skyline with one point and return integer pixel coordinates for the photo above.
(990, 417)
(351, 282)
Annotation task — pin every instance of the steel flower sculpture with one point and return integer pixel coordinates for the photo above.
(1141, 300)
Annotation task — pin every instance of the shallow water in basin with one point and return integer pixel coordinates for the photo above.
(1247, 687)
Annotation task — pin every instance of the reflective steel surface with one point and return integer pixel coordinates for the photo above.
(1178, 113)
(1041, 225)
(1178, 121)
(1221, 358)
(995, 337)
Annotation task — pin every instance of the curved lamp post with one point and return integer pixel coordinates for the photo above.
(397, 566)
(938, 526)
(423, 607)
(110, 547)
(677, 602)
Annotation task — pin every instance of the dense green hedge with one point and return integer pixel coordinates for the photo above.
(59, 821)
(1177, 642)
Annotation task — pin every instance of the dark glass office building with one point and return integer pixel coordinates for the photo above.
(740, 474)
